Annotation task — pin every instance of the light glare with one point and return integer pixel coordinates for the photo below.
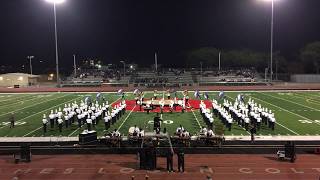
(55, 1)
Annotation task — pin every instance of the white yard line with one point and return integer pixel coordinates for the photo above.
(290, 101)
(311, 95)
(73, 132)
(79, 128)
(194, 116)
(287, 128)
(43, 111)
(32, 131)
(126, 118)
(34, 105)
(14, 98)
(21, 102)
(307, 99)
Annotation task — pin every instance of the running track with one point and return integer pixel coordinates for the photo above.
(123, 167)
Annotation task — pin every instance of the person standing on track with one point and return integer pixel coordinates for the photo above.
(169, 160)
(180, 155)
(12, 120)
(252, 132)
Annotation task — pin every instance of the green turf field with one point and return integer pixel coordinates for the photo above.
(296, 112)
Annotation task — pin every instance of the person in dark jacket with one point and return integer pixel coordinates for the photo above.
(180, 155)
(170, 160)
(12, 120)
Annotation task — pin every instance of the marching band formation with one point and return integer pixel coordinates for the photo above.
(240, 113)
(85, 114)
(90, 114)
(151, 104)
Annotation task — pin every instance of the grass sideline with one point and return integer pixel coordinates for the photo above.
(297, 113)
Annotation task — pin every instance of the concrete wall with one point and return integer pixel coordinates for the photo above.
(11, 79)
(305, 78)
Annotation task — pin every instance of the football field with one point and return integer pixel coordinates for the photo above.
(296, 112)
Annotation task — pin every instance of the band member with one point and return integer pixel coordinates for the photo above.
(89, 124)
(107, 120)
(155, 94)
(44, 122)
(123, 96)
(60, 124)
(186, 97)
(79, 116)
(52, 117)
(168, 93)
(141, 96)
(66, 120)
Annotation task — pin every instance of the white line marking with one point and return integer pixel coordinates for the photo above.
(289, 101)
(305, 98)
(32, 131)
(34, 105)
(15, 97)
(21, 102)
(195, 116)
(126, 117)
(73, 132)
(287, 111)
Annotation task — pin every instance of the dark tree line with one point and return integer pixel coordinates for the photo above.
(308, 60)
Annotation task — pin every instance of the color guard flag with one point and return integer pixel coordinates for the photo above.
(136, 91)
(98, 97)
(87, 100)
(120, 92)
(221, 95)
(240, 98)
(206, 95)
(197, 94)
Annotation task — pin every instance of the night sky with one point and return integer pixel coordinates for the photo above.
(132, 30)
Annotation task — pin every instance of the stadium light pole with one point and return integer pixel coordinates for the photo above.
(200, 70)
(30, 63)
(124, 68)
(55, 2)
(271, 36)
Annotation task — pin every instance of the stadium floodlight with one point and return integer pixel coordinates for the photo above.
(30, 63)
(124, 68)
(54, 2)
(271, 34)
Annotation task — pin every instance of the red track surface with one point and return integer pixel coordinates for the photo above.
(307, 167)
